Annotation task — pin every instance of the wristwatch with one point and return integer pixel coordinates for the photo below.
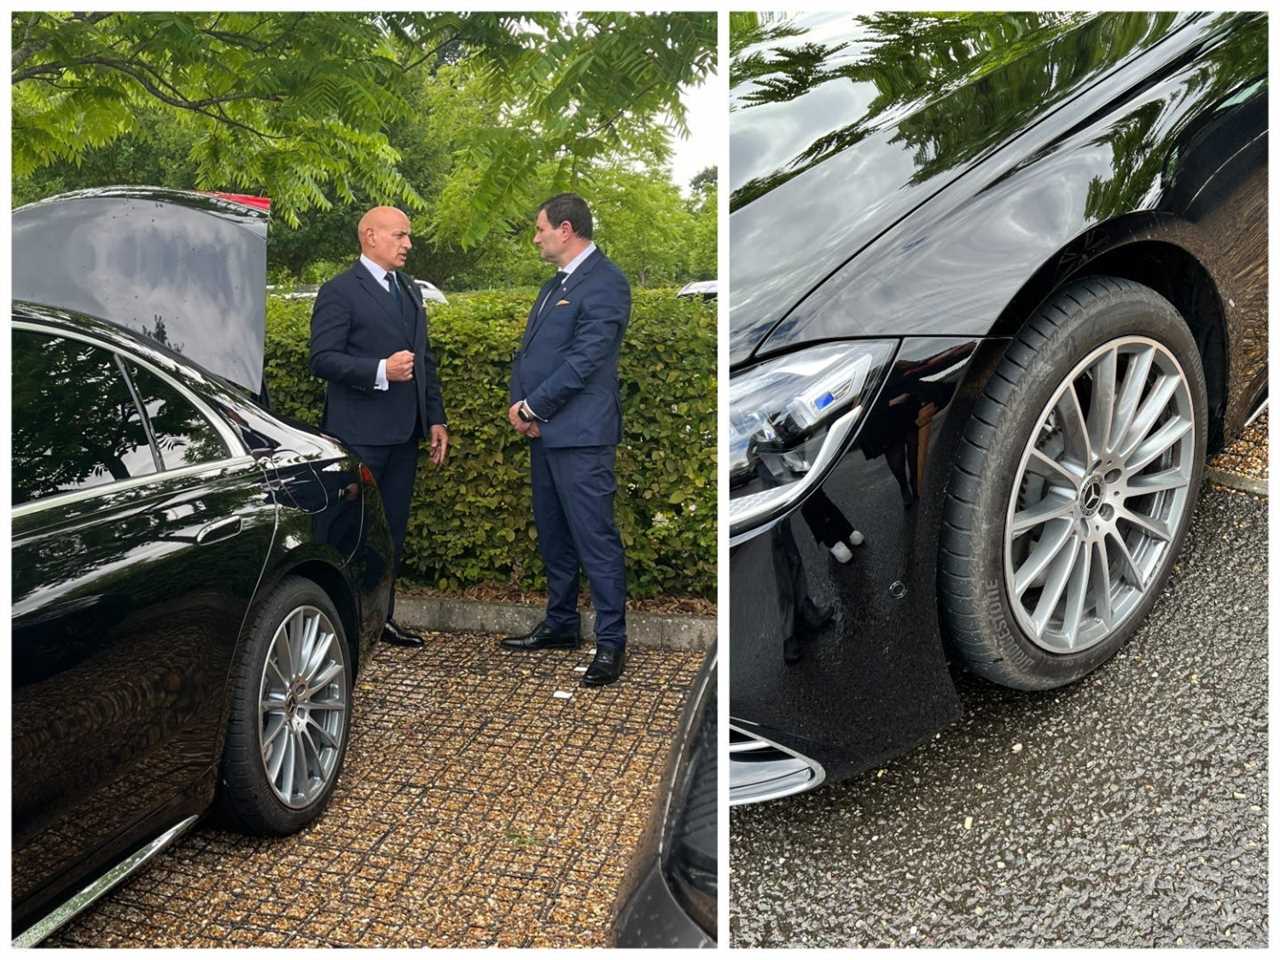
(522, 414)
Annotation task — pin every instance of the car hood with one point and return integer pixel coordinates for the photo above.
(185, 269)
(841, 125)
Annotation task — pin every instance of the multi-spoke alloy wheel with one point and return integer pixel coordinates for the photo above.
(303, 700)
(290, 711)
(1101, 486)
(1073, 485)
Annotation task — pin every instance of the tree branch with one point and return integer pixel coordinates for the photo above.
(148, 81)
(29, 49)
(409, 68)
(627, 106)
(201, 107)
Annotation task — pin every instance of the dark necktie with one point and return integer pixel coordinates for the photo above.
(393, 288)
(559, 282)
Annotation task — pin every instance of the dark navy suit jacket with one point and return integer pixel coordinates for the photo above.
(567, 366)
(356, 323)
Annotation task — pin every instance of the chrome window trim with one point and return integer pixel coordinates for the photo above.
(239, 454)
(85, 898)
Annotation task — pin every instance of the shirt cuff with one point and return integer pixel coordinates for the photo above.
(381, 382)
(533, 413)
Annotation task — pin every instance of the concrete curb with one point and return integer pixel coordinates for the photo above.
(1234, 481)
(447, 615)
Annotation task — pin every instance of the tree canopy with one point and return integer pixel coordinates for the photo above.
(300, 106)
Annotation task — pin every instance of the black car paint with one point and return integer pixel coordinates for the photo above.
(1150, 165)
(668, 897)
(125, 627)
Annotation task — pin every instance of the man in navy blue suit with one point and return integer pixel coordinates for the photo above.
(369, 341)
(564, 398)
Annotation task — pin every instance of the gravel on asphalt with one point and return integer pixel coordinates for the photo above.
(1246, 456)
(1129, 809)
(476, 808)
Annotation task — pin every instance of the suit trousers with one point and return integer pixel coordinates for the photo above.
(394, 467)
(573, 491)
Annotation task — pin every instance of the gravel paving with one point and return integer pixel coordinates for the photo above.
(1246, 456)
(476, 808)
(1129, 809)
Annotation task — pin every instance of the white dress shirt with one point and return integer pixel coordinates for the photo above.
(382, 275)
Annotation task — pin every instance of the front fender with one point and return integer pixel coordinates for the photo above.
(1176, 137)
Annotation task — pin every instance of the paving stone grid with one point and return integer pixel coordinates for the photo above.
(475, 809)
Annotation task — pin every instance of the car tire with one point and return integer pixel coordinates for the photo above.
(290, 712)
(1057, 537)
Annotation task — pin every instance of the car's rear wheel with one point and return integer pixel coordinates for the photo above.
(290, 712)
(1075, 481)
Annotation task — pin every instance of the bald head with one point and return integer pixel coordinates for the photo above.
(384, 237)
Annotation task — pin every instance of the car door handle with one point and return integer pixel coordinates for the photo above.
(218, 530)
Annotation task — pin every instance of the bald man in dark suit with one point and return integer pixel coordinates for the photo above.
(369, 342)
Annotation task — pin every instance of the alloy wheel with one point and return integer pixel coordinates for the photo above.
(1100, 494)
(302, 704)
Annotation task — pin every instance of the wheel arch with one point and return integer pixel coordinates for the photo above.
(1137, 247)
(330, 579)
(333, 582)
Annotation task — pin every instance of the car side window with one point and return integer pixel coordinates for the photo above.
(75, 425)
(183, 434)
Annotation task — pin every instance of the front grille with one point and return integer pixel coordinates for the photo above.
(761, 770)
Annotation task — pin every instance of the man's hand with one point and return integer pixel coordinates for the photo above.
(534, 431)
(513, 415)
(439, 444)
(400, 366)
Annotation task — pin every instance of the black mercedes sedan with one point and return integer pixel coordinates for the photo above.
(195, 581)
(999, 283)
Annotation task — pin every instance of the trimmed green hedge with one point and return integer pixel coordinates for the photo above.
(472, 520)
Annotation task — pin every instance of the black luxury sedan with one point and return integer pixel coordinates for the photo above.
(195, 581)
(999, 283)
(668, 898)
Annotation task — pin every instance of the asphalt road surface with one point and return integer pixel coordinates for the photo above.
(1129, 809)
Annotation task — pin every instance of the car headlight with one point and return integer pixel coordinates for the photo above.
(789, 418)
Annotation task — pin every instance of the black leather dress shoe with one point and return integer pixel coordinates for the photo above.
(543, 637)
(606, 667)
(393, 633)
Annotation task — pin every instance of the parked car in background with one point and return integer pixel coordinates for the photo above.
(701, 289)
(669, 896)
(196, 582)
(430, 292)
(999, 283)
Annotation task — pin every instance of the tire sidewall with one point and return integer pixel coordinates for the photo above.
(291, 594)
(1139, 312)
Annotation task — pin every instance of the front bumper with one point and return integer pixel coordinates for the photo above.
(760, 769)
(837, 667)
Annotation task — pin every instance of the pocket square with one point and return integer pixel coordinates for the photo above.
(563, 303)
